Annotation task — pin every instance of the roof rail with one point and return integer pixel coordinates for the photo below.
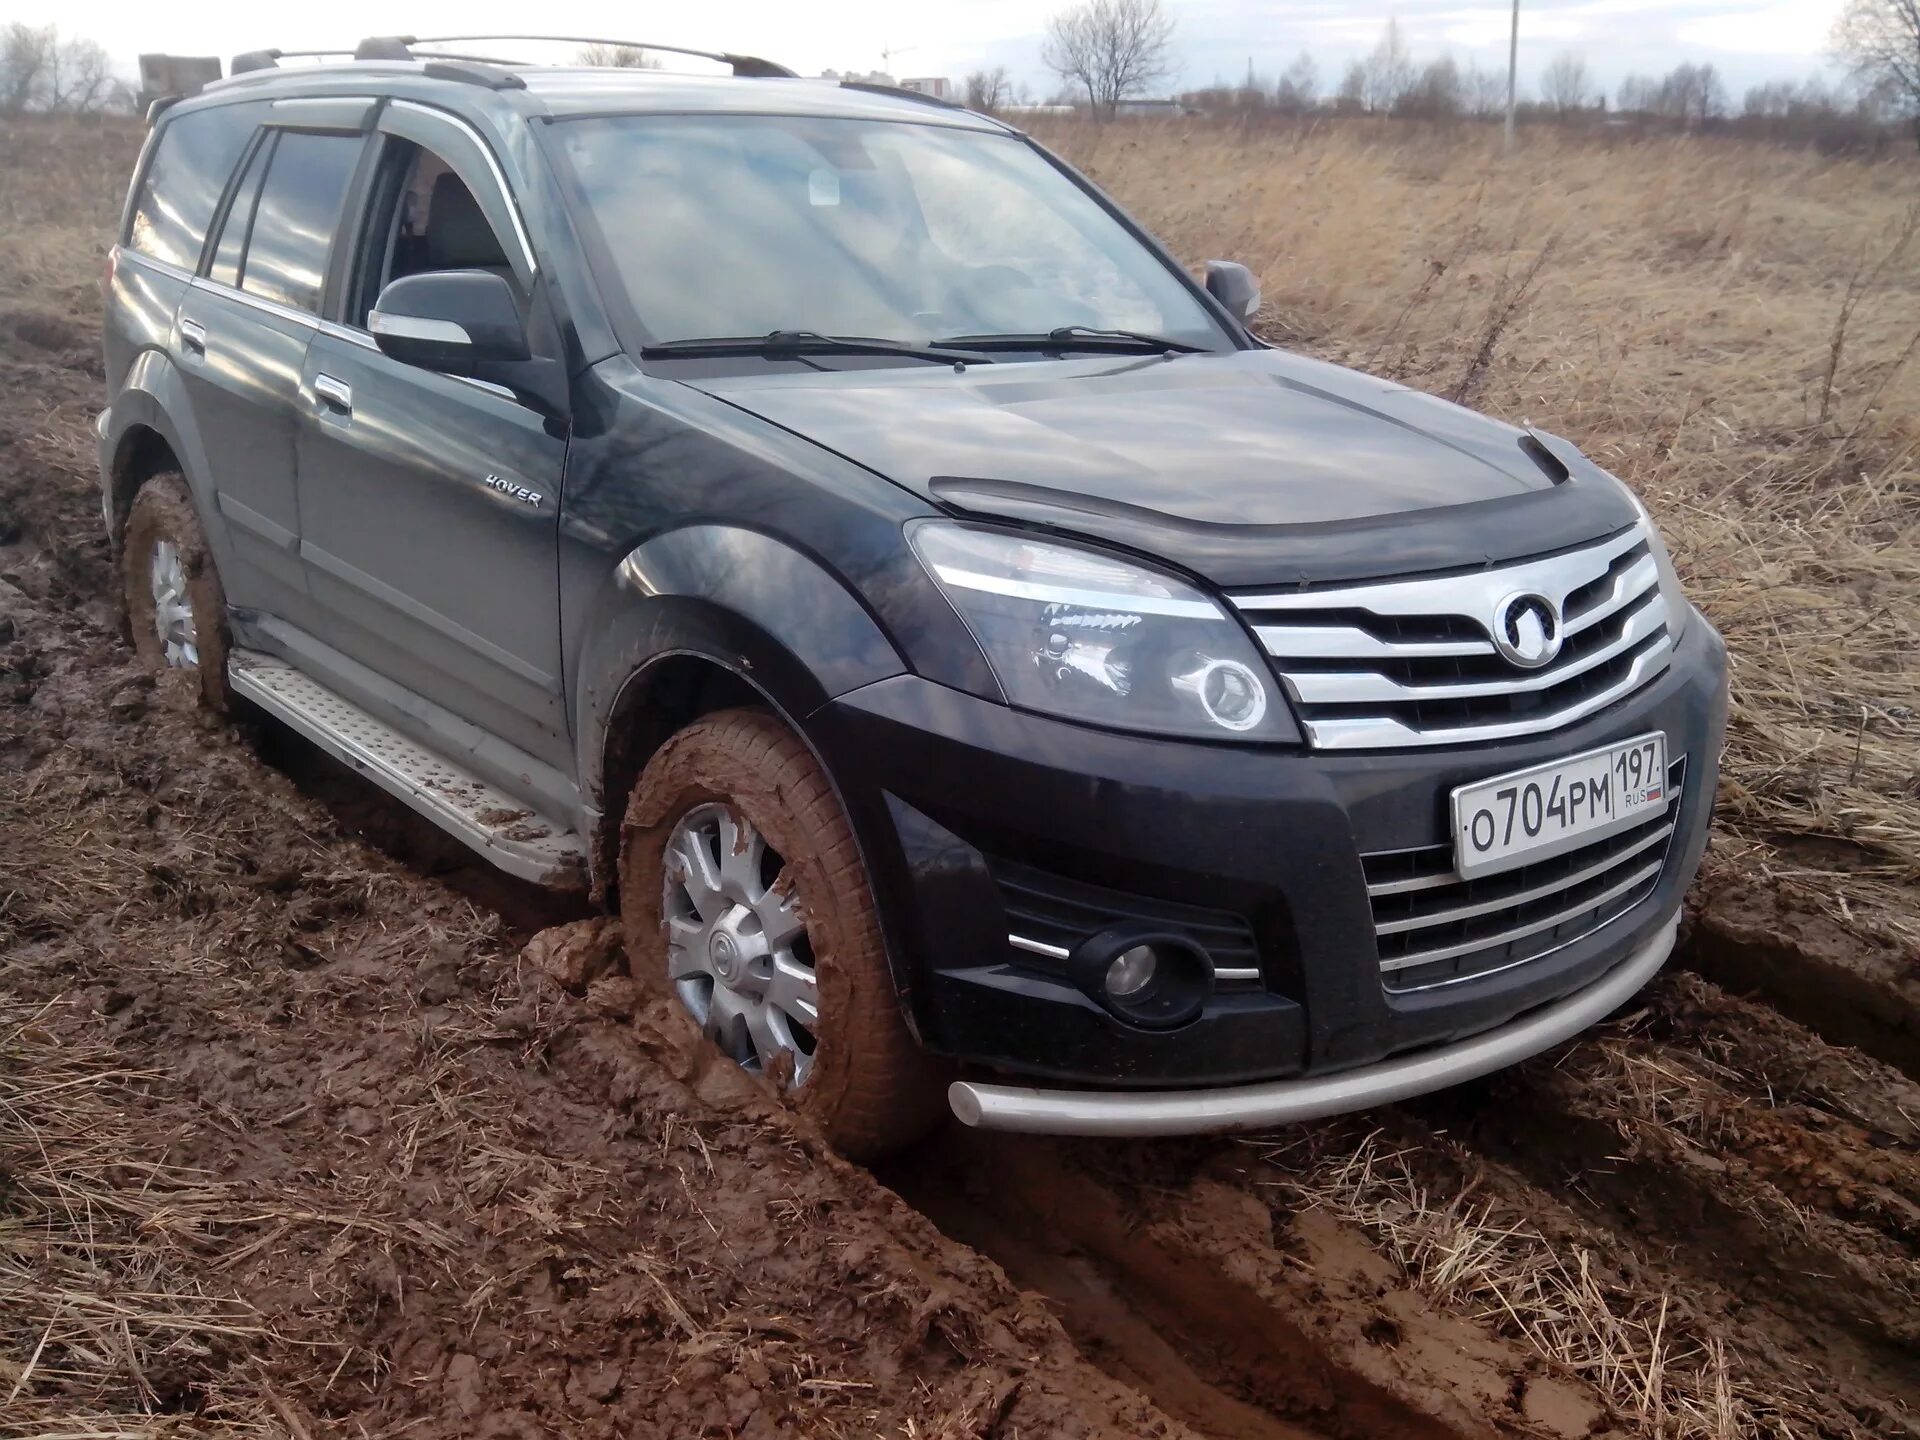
(751, 66)
(901, 92)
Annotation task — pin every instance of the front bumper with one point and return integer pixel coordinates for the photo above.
(946, 791)
(1285, 1102)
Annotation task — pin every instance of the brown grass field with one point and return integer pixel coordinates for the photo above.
(308, 1128)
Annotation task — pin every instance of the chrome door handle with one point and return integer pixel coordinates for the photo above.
(336, 394)
(194, 336)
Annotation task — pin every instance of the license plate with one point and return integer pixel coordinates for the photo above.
(1514, 820)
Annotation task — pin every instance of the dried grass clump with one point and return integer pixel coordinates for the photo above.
(1733, 329)
(99, 1335)
(1647, 1350)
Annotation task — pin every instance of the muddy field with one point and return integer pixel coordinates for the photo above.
(308, 1126)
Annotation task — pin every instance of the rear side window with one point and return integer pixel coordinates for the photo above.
(233, 230)
(192, 157)
(296, 216)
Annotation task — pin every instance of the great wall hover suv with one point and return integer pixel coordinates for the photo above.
(820, 521)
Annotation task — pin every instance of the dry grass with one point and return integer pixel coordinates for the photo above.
(1645, 1350)
(99, 1334)
(1730, 328)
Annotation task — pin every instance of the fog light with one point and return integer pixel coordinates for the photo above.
(1156, 981)
(1132, 971)
(1230, 693)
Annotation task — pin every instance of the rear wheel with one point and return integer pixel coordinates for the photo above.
(176, 609)
(741, 884)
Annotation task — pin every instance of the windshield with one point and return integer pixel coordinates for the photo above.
(737, 225)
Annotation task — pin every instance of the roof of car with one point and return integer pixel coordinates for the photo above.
(602, 90)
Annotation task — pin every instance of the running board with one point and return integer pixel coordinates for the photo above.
(501, 828)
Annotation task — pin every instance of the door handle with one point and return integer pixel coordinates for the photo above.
(193, 335)
(335, 394)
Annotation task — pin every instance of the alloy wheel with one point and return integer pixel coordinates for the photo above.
(737, 948)
(172, 608)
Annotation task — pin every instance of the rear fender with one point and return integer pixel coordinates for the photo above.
(154, 398)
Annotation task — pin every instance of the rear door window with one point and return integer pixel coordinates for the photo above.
(232, 243)
(193, 156)
(297, 214)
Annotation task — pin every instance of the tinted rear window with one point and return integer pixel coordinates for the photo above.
(299, 209)
(192, 157)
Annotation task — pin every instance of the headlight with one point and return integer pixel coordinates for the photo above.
(1679, 610)
(1087, 636)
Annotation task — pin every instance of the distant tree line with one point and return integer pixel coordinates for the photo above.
(40, 70)
(1866, 111)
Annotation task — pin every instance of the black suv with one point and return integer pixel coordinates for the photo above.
(817, 519)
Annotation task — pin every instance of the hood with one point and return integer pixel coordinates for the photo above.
(1256, 467)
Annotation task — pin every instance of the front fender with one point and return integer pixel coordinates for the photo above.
(748, 602)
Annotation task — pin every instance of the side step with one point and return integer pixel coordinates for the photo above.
(503, 829)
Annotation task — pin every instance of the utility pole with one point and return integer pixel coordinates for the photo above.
(1513, 73)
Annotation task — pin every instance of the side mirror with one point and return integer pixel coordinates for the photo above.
(1234, 287)
(453, 321)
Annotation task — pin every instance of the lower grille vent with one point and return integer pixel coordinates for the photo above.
(1435, 928)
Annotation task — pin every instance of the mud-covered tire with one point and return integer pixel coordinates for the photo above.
(871, 1088)
(163, 513)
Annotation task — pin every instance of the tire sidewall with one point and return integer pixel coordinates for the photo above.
(860, 1022)
(163, 510)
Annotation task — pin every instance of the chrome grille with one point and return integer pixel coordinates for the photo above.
(1435, 928)
(1413, 662)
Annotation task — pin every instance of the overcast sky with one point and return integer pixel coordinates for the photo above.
(1750, 40)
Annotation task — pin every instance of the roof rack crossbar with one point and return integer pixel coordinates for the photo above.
(751, 66)
(252, 60)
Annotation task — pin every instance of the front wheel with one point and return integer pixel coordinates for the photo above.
(741, 884)
(176, 609)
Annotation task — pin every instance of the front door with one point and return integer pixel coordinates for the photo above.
(429, 505)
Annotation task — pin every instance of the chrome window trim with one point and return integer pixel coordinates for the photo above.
(258, 302)
(493, 167)
(153, 262)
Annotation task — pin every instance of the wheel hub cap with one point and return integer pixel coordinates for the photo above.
(172, 609)
(737, 949)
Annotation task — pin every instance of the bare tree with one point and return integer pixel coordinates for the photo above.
(1881, 41)
(619, 57)
(80, 78)
(1111, 49)
(1352, 94)
(1484, 92)
(1690, 94)
(1298, 88)
(26, 54)
(1437, 92)
(989, 90)
(1566, 86)
(1387, 72)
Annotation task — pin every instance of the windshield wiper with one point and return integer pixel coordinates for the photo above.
(1076, 337)
(812, 342)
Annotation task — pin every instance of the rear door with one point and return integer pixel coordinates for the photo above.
(242, 330)
(429, 504)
